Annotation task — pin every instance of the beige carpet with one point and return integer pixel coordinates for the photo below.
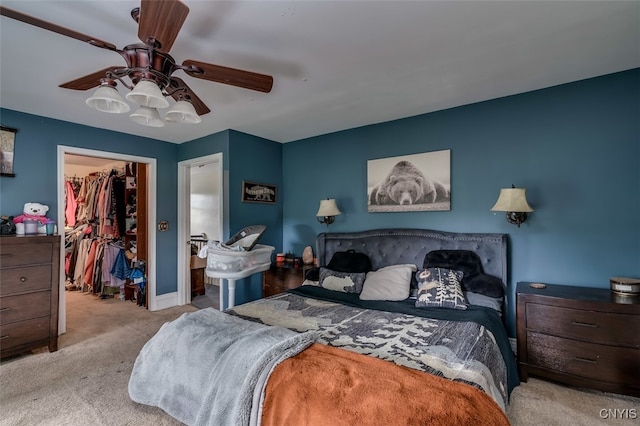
(85, 381)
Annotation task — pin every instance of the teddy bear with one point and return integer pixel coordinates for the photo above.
(33, 211)
(406, 185)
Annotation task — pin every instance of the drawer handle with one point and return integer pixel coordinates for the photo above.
(4, 337)
(5, 310)
(584, 324)
(23, 279)
(587, 360)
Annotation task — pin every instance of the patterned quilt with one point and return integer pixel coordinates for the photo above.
(459, 350)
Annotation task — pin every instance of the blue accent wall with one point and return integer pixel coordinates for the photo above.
(35, 167)
(574, 147)
(245, 158)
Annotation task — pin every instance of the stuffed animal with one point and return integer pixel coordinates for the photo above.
(34, 211)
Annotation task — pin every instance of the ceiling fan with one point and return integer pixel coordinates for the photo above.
(149, 67)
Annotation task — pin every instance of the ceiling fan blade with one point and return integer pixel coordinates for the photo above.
(178, 83)
(37, 22)
(235, 77)
(160, 22)
(88, 81)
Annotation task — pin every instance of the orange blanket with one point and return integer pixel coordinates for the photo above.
(329, 386)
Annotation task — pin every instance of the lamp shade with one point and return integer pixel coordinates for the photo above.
(107, 99)
(328, 207)
(183, 112)
(512, 200)
(147, 117)
(148, 94)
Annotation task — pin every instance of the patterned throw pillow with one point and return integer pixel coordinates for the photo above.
(440, 288)
(341, 281)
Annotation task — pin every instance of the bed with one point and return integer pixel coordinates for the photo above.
(406, 342)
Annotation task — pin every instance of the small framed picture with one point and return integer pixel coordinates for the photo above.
(7, 149)
(253, 192)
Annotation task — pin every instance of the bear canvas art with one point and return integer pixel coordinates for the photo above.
(418, 182)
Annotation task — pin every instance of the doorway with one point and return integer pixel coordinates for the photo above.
(147, 216)
(200, 216)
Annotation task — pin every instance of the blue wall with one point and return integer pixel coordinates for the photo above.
(250, 158)
(575, 147)
(35, 166)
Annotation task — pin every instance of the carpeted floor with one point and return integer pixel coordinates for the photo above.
(85, 382)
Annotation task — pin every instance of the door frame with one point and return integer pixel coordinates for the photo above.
(151, 220)
(184, 218)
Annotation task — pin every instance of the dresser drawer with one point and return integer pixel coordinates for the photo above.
(24, 333)
(25, 306)
(592, 326)
(598, 362)
(25, 254)
(25, 279)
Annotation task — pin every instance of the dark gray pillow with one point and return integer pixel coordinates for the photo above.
(341, 281)
(460, 260)
(484, 284)
(467, 261)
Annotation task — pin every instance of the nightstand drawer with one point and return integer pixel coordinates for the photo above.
(25, 306)
(598, 362)
(592, 326)
(282, 278)
(26, 279)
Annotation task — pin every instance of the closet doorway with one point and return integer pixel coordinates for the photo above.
(200, 218)
(138, 176)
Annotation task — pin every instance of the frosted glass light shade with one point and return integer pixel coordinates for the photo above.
(107, 99)
(148, 94)
(328, 207)
(147, 117)
(512, 200)
(183, 112)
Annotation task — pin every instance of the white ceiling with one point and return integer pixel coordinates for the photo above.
(336, 64)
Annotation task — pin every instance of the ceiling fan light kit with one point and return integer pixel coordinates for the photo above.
(107, 99)
(150, 68)
(147, 93)
(183, 112)
(147, 116)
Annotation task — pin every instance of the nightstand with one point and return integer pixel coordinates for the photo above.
(583, 337)
(281, 277)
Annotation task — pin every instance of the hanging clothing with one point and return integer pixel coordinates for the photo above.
(71, 205)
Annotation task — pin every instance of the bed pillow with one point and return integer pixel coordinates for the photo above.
(313, 274)
(467, 261)
(460, 260)
(487, 285)
(494, 303)
(388, 283)
(349, 261)
(440, 288)
(341, 281)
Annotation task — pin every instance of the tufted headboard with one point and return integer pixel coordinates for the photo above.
(395, 246)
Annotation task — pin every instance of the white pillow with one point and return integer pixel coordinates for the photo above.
(388, 283)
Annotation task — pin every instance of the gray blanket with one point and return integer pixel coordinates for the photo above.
(210, 368)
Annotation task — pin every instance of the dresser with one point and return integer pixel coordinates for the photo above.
(282, 277)
(29, 284)
(583, 337)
